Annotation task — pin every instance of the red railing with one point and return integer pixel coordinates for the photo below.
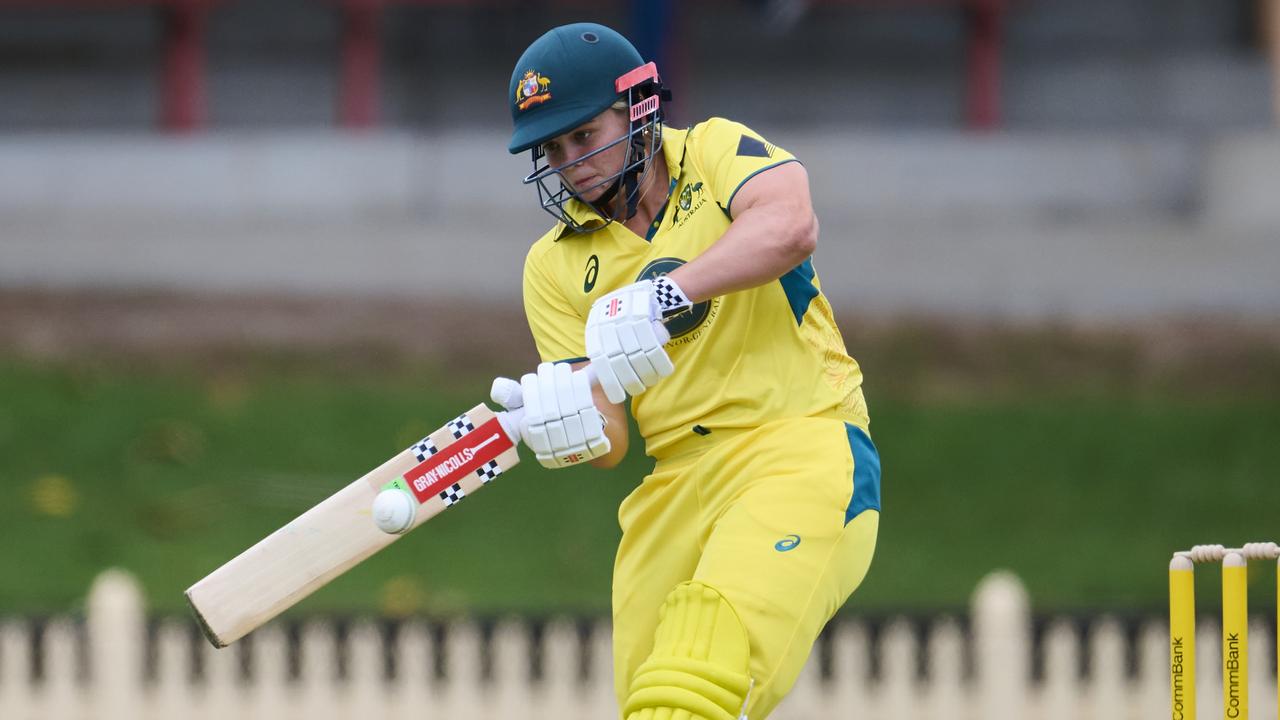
(183, 74)
(358, 104)
(985, 20)
(183, 99)
(986, 40)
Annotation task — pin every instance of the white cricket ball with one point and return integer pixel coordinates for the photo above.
(393, 510)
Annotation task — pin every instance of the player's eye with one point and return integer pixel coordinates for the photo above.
(582, 135)
(550, 147)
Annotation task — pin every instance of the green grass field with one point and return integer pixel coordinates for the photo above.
(1082, 486)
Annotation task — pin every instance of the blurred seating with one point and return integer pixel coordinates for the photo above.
(1269, 19)
(183, 94)
(361, 52)
(183, 103)
(985, 20)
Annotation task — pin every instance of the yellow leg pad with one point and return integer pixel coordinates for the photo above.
(699, 666)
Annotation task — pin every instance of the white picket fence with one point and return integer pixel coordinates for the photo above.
(113, 665)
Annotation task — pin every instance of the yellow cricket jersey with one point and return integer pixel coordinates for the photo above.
(741, 360)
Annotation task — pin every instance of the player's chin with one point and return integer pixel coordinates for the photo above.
(595, 190)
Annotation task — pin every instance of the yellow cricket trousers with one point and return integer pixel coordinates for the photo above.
(781, 520)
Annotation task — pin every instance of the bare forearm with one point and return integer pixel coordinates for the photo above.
(760, 246)
(615, 417)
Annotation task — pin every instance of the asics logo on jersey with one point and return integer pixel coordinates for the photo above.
(787, 543)
(593, 272)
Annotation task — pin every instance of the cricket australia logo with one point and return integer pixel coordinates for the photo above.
(688, 321)
(533, 89)
(691, 198)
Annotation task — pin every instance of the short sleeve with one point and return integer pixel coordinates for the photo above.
(731, 153)
(558, 330)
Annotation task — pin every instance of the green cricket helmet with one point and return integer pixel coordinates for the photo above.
(565, 78)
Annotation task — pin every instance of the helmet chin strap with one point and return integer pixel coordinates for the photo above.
(603, 203)
(628, 182)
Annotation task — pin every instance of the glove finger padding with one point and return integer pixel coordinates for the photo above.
(562, 425)
(592, 420)
(650, 337)
(533, 427)
(637, 350)
(553, 416)
(582, 398)
(566, 401)
(605, 375)
(547, 391)
(624, 341)
(609, 381)
(623, 371)
(613, 368)
(593, 427)
(653, 336)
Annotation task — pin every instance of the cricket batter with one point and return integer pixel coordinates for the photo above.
(679, 270)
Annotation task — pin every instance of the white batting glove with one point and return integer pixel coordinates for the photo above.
(561, 424)
(625, 336)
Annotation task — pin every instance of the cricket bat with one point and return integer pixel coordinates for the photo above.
(334, 536)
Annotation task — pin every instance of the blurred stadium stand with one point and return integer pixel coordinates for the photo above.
(182, 37)
(1133, 171)
(67, 64)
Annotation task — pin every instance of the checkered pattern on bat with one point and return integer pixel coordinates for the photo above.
(489, 471)
(452, 495)
(460, 426)
(424, 449)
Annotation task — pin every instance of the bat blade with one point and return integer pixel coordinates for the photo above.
(336, 535)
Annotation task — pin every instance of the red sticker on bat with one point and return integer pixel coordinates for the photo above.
(455, 462)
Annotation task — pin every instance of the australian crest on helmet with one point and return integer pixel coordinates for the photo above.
(534, 89)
